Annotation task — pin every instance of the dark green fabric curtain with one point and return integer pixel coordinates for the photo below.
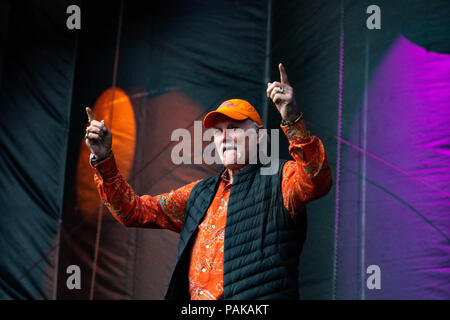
(38, 61)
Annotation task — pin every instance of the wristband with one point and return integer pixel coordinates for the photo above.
(95, 161)
(286, 123)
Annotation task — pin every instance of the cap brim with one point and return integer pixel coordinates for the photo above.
(208, 121)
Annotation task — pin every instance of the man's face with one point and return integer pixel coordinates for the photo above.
(235, 141)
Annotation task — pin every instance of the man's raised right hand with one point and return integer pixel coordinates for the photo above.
(98, 136)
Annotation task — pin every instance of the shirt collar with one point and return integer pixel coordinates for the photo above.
(226, 174)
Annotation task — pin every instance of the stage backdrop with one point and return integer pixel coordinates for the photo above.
(378, 99)
(37, 62)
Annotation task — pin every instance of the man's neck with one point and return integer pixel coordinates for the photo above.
(233, 171)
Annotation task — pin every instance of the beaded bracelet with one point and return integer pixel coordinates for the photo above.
(286, 123)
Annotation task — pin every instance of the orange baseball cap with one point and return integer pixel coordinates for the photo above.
(236, 109)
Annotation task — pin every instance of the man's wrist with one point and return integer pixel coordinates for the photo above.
(95, 160)
(290, 112)
(106, 168)
(290, 115)
(292, 120)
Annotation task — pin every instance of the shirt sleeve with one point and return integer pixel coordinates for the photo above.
(164, 211)
(308, 177)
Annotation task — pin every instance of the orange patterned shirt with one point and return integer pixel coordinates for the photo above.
(305, 179)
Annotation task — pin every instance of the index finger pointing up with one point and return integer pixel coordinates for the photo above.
(283, 74)
(90, 114)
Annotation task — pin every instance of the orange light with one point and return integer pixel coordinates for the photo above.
(113, 106)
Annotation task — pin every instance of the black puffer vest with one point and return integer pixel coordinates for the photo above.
(262, 243)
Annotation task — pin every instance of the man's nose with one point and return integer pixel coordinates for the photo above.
(224, 134)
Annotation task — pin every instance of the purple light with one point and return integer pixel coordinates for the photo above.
(407, 190)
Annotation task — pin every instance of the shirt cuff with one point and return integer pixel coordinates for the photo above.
(296, 133)
(107, 168)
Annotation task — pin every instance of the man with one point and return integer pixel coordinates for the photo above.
(241, 232)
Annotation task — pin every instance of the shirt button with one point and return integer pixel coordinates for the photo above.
(207, 246)
(201, 292)
(213, 226)
(203, 270)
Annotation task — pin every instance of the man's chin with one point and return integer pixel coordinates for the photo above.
(233, 164)
(231, 159)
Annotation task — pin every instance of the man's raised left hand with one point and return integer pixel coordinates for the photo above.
(282, 95)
